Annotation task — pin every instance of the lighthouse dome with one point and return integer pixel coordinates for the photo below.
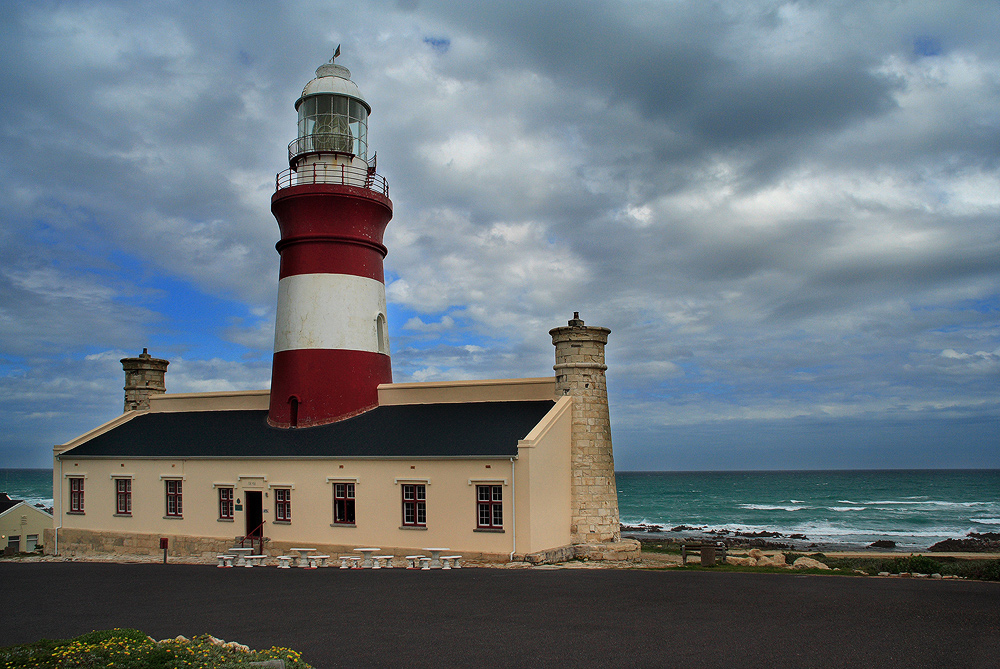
(334, 79)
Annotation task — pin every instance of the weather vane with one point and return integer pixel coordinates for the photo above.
(336, 52)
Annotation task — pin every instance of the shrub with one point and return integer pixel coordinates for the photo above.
(132, 649)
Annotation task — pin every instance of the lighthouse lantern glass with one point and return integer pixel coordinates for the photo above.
(333, 123)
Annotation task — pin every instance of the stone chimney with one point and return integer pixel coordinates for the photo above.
(580, 373)
(144, 376)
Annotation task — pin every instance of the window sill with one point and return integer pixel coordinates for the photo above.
(75, 513)
(343, 525)
(173, 518)
(281, 522)
(413, 527)
(225, 520)
(491, 530)
(123, 515)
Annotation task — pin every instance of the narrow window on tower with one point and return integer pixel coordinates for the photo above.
(381, 334)
(293, 411)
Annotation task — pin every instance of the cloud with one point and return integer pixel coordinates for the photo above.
(783, 211)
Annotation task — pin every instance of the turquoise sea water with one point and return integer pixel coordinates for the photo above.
(914, 508)
(32, 485)
(853, 508)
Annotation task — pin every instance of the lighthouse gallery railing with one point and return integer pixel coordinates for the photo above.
(322, 173)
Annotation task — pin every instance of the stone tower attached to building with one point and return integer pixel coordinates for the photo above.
(144, 376)
(580, 373)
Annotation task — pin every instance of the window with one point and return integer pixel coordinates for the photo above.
(226, 503)
(76, 495)
(343, 503)
(381, 334)
(283, 505)
(489, 506)
(414, 505)
(32, 543)
(175, 505)
(123, 497)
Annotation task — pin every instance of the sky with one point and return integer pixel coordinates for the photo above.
(787, 213)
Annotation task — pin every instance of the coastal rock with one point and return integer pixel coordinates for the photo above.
(776, 560)
(741, 562)
(882, 543)
(756, 553)
(808, 563)
(974, 542)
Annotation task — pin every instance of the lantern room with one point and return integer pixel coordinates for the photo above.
(333, 121)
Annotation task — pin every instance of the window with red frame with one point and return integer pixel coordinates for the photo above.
(343, 503)
(123, 497)
(489, 505)
(283, 505)
(226, 503)
(414, 505)
(175, 502)
(76, 495)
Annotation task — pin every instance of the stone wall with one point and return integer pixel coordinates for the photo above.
(620, 551)
(81, 543)
(580, 373)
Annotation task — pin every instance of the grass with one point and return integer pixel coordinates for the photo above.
(133, 649)
(981, 570)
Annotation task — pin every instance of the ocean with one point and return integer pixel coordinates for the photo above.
(32, 485)
(834, 509)
(849, 509)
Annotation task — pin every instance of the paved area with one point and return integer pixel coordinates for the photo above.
(519, 618)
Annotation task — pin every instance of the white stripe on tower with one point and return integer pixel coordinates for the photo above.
(330, 311)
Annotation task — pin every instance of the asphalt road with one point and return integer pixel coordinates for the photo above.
(519, 618)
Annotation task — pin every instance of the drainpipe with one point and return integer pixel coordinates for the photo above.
(513, 512)
(58, 527)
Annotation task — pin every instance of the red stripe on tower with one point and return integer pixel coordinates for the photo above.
(331, 344)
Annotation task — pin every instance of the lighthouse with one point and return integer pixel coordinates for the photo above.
(331, 343)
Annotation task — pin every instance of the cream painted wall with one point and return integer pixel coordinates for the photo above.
(23, 520)
(451, 499)
(544, 481)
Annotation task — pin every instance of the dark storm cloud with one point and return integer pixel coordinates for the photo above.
(785, 211)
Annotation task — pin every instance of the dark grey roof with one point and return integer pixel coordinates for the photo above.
(6, 502)
(475, 429)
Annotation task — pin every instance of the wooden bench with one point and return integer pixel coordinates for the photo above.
(450, 561)
(710, 553)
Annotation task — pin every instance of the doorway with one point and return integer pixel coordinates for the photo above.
(254, 513)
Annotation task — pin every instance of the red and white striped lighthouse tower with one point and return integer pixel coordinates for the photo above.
(331, 344)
